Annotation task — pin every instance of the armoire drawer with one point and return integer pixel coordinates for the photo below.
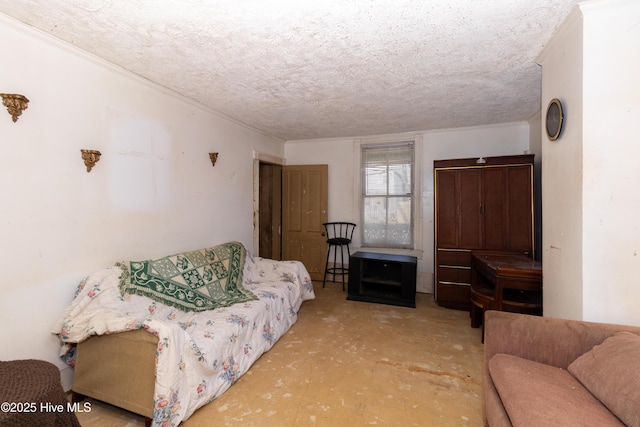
(454, 257)
(454, 273)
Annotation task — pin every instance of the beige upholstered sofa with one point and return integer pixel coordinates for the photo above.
(154, 356)
(541, 371)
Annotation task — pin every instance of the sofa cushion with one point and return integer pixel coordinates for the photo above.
(537, 395)
(611, 372)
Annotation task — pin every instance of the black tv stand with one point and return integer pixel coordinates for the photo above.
(382, 278)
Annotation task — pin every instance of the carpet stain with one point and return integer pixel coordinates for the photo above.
(421, 369)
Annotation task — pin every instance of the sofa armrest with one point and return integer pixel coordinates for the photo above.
(547, 340)
(119, 369)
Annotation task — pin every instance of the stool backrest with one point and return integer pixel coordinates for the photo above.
(339, 230)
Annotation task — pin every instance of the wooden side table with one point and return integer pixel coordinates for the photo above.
(504, 282)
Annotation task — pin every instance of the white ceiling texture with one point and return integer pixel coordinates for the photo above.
(301, 69)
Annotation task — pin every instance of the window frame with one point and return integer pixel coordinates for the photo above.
(359, 195)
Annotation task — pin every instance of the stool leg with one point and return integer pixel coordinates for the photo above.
(342, 265)
(326, 267)
(348, 259)
(335, 261)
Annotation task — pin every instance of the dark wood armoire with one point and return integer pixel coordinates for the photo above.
(479, 204)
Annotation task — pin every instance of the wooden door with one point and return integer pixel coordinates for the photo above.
(304, 209)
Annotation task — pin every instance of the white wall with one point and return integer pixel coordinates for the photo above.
(338, 154)
(153, 192)
(591, 204)
(611, 200)
(562, 176)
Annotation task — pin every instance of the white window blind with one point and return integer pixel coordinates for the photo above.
(387, 195)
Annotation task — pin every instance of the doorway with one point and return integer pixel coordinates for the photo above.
(269, 210)
(291, 205)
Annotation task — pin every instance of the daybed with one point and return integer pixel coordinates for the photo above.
(541, 371)
(134, 348)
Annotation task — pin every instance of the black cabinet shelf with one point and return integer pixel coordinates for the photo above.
(382, 278)
(374, 281)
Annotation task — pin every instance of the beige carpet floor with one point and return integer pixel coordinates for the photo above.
(347, 363)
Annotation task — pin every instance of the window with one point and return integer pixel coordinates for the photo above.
(387, 184)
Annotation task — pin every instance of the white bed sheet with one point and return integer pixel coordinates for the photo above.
(200, 355)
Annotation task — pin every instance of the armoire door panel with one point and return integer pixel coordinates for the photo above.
(520, 221)
(494, 209)
(446, 209)
(470, 205)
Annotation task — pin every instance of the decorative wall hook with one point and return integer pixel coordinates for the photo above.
(90, 158)
(15, 104)
(214, 158)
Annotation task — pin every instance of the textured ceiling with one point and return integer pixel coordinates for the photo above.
(299, 69)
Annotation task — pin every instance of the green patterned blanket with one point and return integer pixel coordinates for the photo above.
(190, 281)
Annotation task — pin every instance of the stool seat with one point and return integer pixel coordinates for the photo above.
(339, 235)
(338, 241)
(35, 385)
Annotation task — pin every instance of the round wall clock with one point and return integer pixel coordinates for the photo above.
(554, 119)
